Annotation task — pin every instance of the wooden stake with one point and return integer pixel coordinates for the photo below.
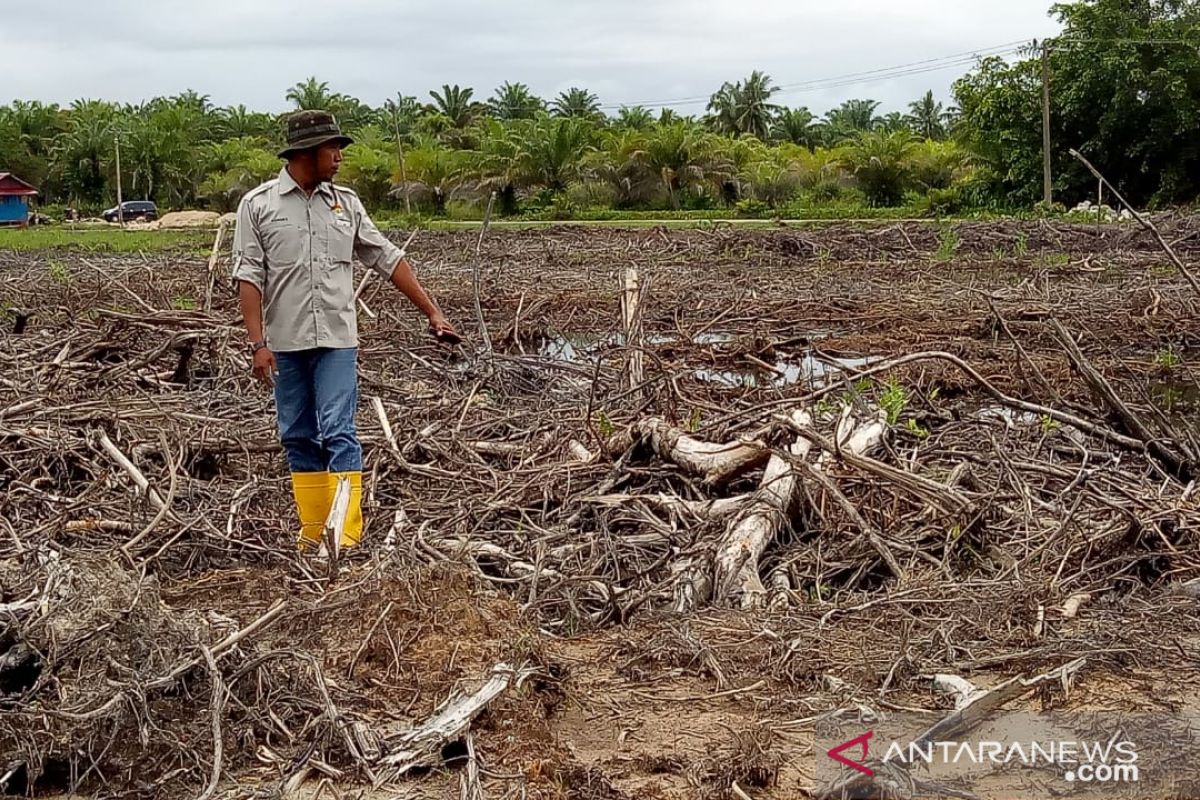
(631, 298)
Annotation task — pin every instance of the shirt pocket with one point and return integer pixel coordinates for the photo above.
(283, 244)
(339, 244)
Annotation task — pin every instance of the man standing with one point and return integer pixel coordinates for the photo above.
(295, 238)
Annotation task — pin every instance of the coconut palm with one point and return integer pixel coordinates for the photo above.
(744, 107)
(927, 118)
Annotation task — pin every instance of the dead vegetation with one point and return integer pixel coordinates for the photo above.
(842, 460)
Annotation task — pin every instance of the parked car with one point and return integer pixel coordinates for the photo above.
(133, 210)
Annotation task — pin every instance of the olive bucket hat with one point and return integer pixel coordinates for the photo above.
(306, 129)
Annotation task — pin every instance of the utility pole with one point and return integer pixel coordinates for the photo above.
(1047, 178)
(120, 205)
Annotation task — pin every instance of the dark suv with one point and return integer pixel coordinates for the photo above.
(133, 209)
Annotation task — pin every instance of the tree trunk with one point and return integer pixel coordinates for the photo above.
(715, 463)
(736, 564)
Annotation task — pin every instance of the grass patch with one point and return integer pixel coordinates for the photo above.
(102, 240)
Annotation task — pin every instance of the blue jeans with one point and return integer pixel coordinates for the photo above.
(316, 394)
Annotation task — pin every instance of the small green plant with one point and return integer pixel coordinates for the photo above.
(998, 254)
(1021, 246)
(948, 243)
(1055, 260)
(913, 427)
(934, 394)
(824, 408)
(183, 304)
(1167, 358)
(694, 422)
(59, 273)
(604, 424)
(1049, 424)
(893, 400)
(863, 385)
(1168, 397)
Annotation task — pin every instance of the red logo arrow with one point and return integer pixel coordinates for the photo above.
(858, 741)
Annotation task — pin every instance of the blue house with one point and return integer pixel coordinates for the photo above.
(14, 199)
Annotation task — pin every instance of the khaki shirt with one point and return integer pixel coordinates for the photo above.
(297, 250)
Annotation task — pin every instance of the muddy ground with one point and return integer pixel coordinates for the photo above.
(485, 543)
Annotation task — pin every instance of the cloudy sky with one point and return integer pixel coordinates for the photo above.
(657, 52)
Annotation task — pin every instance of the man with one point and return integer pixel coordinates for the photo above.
(293, 245)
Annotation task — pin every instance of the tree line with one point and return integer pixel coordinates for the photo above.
(1125, 89)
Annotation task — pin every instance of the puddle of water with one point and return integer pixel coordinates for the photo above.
(588, 347)
(713, 338)
(788, 372)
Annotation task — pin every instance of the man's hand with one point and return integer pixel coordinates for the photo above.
(442, 330)
(264, 366)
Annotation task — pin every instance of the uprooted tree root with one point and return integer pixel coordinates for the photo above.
(972, 475)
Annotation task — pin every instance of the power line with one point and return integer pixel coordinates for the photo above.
(881, 73)
(955, 60)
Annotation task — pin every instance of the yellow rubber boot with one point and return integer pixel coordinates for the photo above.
(313, 498)
(353, 530)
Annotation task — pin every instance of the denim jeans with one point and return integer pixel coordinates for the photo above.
(316, 394)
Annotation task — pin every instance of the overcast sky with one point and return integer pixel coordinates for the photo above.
(627, 51)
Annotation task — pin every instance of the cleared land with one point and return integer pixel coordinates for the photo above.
(677, 617)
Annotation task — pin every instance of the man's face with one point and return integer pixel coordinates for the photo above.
(328, 159)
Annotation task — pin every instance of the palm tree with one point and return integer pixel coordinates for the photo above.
(201, 103)
(310, 94)
(455, 104)
(238, 121)
(637, 118)
(744, 107)
(553, 150)
(927, 118)
(795, 125)
(892, 122)
(498, 162)
(881, 163)
(514, 101)
(434, 172)
(82, 154)
(576, 103)
(679, 158)
(850, 119)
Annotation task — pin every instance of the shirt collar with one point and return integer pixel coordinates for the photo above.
(288, 184)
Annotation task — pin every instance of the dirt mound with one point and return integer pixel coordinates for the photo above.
(188, 219)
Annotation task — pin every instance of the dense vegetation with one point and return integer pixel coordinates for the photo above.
(1126, 92)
